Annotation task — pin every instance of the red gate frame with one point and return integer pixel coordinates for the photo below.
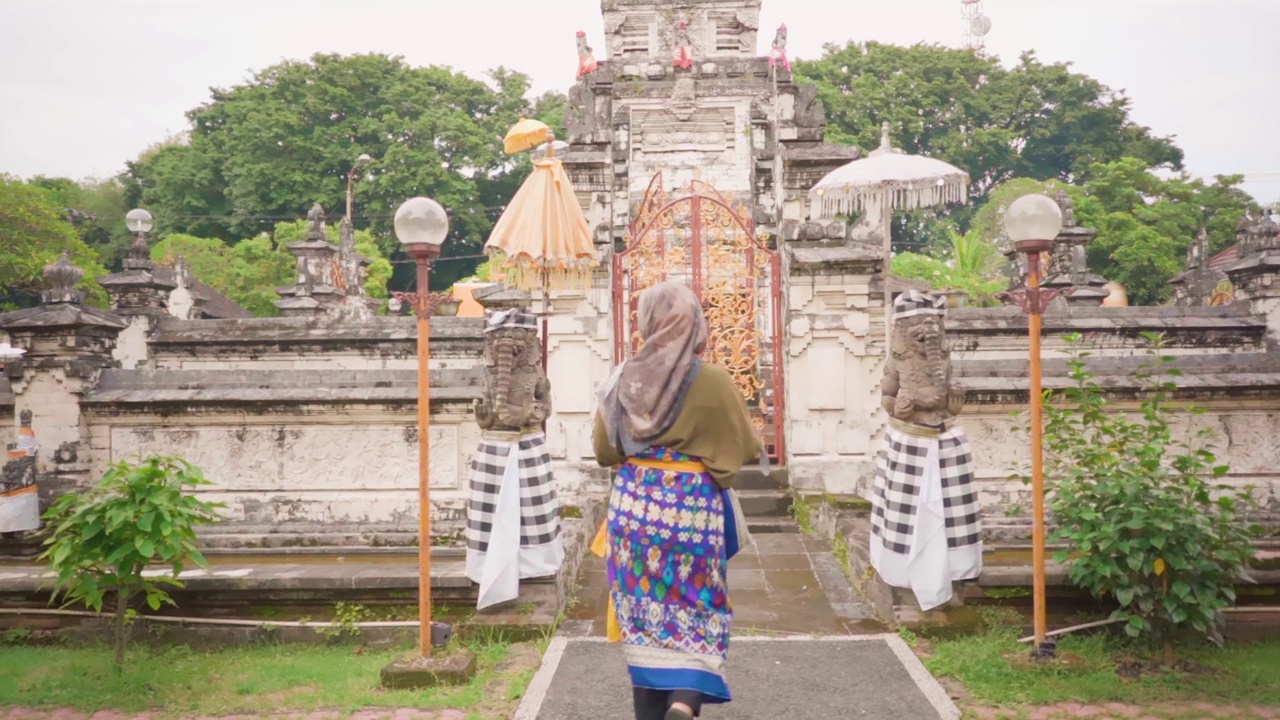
(654, 205)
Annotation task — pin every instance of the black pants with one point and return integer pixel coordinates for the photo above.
(653, 704)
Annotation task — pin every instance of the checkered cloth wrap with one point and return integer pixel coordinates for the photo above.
(539, 507)
(899, 472)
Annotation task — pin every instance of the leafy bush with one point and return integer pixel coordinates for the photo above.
(972, 265)
(1144, 521)
(103, 539)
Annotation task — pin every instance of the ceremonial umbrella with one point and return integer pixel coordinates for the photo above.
(885, 181)
(524, 135)
(542, 235)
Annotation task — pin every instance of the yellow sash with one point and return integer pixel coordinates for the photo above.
(600, 546)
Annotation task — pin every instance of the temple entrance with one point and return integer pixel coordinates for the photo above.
(703, 238)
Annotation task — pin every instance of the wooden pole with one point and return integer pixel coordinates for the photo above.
(886, 228)
(424, 460)
(1037, 451)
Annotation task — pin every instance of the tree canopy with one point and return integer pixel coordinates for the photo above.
(1033, 120)
(1144, 222)
(249, 271)
(36, 232)
(265, 151)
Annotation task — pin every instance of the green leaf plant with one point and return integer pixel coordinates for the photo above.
(1146, 521)
(138, 517)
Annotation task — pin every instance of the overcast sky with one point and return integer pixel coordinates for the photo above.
(87, 84)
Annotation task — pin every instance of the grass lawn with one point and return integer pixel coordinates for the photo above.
(996, 671)
(253, 680)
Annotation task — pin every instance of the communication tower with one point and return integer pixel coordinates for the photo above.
(975, 25)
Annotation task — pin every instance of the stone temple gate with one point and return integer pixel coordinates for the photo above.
(703, 238)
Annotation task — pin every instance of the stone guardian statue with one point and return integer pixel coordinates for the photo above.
(19, 501)
(926, 527)
(513, 515)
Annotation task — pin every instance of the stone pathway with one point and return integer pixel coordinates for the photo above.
(788, 583)
(801, 639)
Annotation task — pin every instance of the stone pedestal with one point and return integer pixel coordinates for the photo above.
(451, 666)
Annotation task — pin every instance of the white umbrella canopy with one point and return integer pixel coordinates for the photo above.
(886, 181)
(889, 179)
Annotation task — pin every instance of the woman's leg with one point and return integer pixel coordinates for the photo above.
(650, 704)
(689, 699)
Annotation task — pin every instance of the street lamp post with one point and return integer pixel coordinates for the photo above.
(421, 225)
(361, 161)
(1032, 222)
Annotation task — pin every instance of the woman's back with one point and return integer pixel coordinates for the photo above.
(713, 425)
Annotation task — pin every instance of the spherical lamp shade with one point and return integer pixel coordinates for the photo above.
(1033, 217)
(421, 221)
(138, 220)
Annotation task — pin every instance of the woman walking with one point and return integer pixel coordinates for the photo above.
(679, 431)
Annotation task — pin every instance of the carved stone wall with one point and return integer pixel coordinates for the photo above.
(304, 469)
(579, 357)
(834, 363)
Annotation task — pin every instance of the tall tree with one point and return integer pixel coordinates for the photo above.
(36, 232)
(1033, 120)
(1146, 222)
(96, 209)
(265, 151)
(249, 271)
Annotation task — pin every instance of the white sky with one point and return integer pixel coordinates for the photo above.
(87, 84)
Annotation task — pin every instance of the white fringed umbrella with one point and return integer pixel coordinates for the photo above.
(886, 181)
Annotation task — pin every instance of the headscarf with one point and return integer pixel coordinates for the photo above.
(642, 398)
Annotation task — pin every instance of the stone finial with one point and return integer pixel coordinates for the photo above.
(1068, 209)
(316, 217)
(1267, 231)
(24, 418)
(1198, 250)
(62, 277)
(139, 257)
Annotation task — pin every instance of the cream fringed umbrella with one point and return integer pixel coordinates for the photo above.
(886, 181)
(542, 236)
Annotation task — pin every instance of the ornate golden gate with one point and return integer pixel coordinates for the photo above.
(703, 238)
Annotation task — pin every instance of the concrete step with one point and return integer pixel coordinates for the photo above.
(772, 526)
(752, 478)
(765, 503)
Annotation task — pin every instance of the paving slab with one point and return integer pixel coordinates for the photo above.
(816, 678)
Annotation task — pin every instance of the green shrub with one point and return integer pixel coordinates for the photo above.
(136, 517)
(1139, 509)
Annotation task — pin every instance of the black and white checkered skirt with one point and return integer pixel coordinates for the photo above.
(539, 507)
(900, 474)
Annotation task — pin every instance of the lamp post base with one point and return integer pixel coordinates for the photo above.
(455, 667)
(1046, 650)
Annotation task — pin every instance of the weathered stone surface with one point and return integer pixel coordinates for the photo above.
(455, 666)
(917, 386)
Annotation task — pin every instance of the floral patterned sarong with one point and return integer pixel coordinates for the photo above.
(668, 559)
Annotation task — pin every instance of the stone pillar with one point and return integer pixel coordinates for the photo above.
(1068, 269)
(140, 295)
(834, 361)
(1256, 275)
(316, 293)
(68, 345)
(1195, 286)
